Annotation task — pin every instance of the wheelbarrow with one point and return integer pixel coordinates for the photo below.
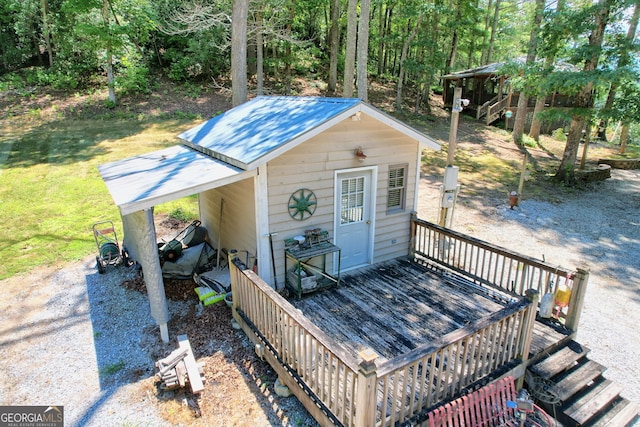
(109, 252)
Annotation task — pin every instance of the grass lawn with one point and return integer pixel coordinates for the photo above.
(51, 192)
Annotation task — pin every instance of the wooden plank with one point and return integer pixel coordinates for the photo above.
(559, 361)
(195, 380)
(593, 402)
(624, 414)
(577, 379)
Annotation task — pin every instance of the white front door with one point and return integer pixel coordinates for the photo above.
(354, 217)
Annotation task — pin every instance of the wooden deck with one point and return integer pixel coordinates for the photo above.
(395, 307)
(399, 305)
(398, 338)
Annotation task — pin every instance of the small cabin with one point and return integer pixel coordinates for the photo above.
(490, 95)
(277, 168)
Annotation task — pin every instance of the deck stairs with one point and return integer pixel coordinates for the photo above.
(571, 388)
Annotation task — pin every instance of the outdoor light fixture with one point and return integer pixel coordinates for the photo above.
(359, 154)
(459, 103)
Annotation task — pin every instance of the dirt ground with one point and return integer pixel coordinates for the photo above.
(86, 341)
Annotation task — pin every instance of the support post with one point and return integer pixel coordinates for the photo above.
(366, 399)
(523, 172)
(450, 186)
(412, 234)
(576, 303)
(529, 321)
(142, 234)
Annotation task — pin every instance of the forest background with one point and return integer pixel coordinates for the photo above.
(344, 45)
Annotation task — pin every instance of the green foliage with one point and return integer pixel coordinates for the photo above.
(527, 141)
(113, 368)
(185, 209)
(559, 134)
(133, 76)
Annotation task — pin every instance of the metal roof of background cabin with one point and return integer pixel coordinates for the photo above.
(251, 130)
(493, 68)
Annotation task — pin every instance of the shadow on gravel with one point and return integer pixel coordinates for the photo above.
(118, 317)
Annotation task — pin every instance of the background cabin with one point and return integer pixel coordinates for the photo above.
(491, 96)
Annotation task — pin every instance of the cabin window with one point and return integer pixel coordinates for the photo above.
(352, 200)
(396, 192)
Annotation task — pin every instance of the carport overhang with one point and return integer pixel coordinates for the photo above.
(144, 181)
(139, 183)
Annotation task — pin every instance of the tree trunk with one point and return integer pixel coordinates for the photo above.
(584, 100)
(44, 6)
(109, 64)
(333, 46)
(454, 42)
(494, 26)
(487, 22)
(403, 57)
(536, 124)
(288, 59)
(239, 52)
(624, 137)
(259, 54)
(382, 11)
(363, 50)
(523, 99)
(350, 54)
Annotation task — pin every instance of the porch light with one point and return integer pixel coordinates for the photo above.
(359, 154)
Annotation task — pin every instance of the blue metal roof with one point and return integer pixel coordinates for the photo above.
(146, 180)
(251, 130)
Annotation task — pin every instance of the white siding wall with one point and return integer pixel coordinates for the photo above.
(312, 165)
(238, 216)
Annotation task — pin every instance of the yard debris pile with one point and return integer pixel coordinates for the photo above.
(175, 289)
(179, 368)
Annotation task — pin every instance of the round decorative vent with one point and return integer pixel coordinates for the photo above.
(302, 204)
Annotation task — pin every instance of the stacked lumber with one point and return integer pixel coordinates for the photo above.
(180, 368)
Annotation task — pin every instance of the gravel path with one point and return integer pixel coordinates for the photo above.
(600, 229)
(70, 337)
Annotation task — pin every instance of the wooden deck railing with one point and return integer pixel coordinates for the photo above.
(482, 111)
(305, 358)
(490, 265)
(337, 389)
(410, 384)
(495, 110)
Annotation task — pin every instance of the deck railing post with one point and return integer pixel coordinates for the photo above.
(576, 302)
(366, 398)
(412, 235)
(524, 345)
(235, 289)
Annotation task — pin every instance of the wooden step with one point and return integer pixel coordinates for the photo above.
(577, 379)
(559, 361)
(622, 415)
(592, 403)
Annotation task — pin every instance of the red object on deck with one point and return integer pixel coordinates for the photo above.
(484, 407)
